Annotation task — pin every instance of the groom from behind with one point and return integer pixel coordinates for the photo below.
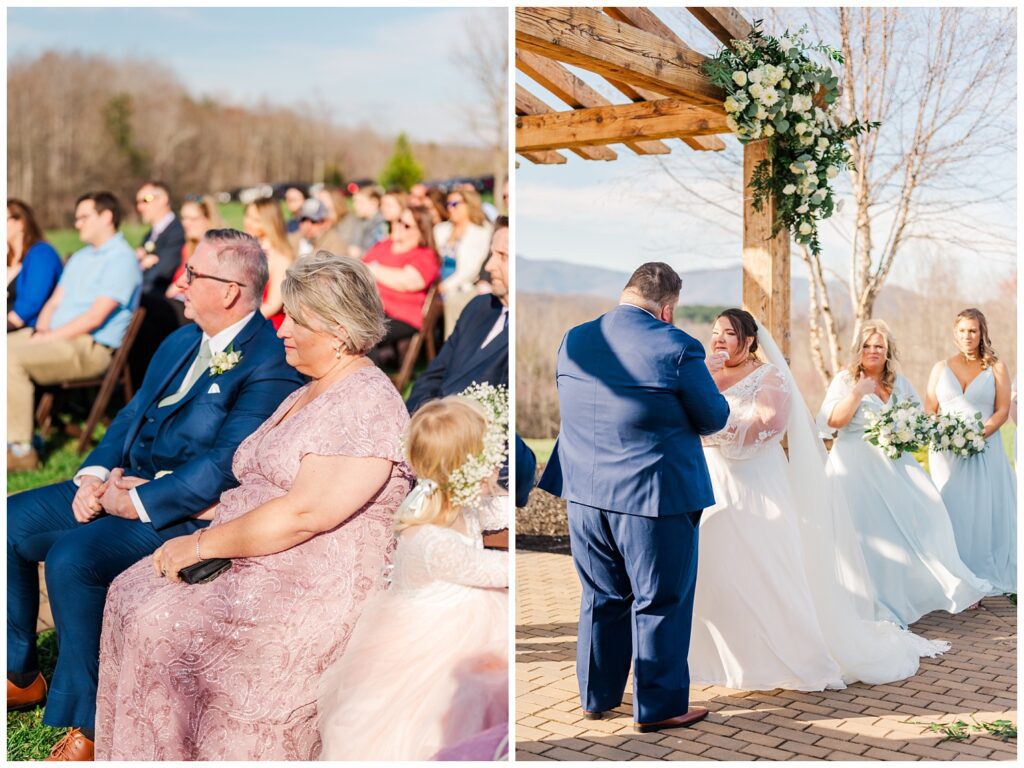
(635, 397)
(163, 461)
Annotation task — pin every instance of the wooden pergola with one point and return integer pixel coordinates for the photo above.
(666, 97)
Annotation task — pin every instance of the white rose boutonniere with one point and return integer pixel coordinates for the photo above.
(222, 362)
(150, 246)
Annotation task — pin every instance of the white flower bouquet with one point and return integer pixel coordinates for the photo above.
(901, 427)
(958, 435)
(772, 86)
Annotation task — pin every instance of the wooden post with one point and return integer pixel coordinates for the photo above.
(766, 271)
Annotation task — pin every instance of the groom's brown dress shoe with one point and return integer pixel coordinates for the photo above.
(695, 715)
(74, 746)
(28, 697)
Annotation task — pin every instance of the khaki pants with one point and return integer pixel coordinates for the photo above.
(45, 362)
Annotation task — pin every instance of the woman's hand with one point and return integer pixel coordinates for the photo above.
(174, 555)
(864, 386)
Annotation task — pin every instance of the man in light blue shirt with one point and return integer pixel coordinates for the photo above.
(79, 327)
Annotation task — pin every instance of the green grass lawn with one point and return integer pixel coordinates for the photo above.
(27, 737)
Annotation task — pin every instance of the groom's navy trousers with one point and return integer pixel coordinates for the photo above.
(638, 576)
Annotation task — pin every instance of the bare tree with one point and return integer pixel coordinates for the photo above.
(483, 57)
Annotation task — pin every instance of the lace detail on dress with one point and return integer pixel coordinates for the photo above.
(758, 412)
(434, 554)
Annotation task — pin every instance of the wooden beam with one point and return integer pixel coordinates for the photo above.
(666, 118)
(528, 104)
(547, 157)
(726, 24)
(574, 92)
(766, 264)
(587, 38)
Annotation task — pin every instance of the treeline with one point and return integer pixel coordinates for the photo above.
(78, 122)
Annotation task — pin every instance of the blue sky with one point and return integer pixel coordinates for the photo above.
(388, 68)
(619, 214)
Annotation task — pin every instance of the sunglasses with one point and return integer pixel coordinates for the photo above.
(453, 204)
(404, 224)
(191, 275)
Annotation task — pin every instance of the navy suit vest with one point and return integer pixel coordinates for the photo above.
(140, 454)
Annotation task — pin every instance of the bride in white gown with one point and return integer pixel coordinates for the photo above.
(783, 599)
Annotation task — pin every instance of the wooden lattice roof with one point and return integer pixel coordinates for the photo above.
(668, 95)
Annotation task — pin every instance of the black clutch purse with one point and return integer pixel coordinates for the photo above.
(204, 570)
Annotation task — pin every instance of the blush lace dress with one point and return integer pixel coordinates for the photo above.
(427, 666)
(228, 670)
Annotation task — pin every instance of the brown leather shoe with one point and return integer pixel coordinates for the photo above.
(22, 463)
(74, 746)
(26, 698)
(695, 715)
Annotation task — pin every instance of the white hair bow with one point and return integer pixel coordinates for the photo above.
(412, 506)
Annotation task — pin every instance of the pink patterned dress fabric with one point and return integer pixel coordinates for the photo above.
(228, 670)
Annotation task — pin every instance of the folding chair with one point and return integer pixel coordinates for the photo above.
(117, 373)
(433, 311)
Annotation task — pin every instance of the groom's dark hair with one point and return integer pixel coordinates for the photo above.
(656, 282)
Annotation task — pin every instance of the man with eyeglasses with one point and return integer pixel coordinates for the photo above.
(159, 256)
(79, 327)
(160, 468)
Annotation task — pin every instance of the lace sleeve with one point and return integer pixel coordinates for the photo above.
(758, 413)
(493, 513)
(452, 558)
(838, 390)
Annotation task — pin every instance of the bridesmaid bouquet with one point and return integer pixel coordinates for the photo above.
(901, 427)
(959, 435)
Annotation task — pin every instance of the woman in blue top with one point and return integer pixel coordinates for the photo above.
(33, 267)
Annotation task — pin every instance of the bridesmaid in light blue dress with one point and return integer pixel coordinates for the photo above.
(901, 522)
(980, 491)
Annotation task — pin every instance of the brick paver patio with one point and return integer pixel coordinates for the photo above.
(976, 679)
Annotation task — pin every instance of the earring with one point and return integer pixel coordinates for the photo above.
(337, 352)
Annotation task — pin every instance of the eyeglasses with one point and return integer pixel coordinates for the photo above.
(404, 224)
(145, 199)
(191, 275)
(453, 204)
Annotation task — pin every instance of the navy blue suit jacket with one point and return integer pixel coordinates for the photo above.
(635, 397)
(197, 436)
(167, 247)
(461, 361)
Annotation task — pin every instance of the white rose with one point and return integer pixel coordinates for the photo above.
(971, 435)
(800, 128)
(944, 441)
(807, 140)
(761, 114)
(731, 105)
(805, 228)
(739, 77)
(905, 436)
(811, 166)
(769, 130)
(832, 172)
(803, 208)
(785, 83)
(822, 143)
(959, 442)
(883, 439)
(789, 189)
(757, 75)
(979, 444)
(730, 121)
(756, 90)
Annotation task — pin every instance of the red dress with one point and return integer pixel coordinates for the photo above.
(276, 318)
(406, 306)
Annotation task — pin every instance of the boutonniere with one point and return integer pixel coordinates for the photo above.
(222, 362)
(150, 246)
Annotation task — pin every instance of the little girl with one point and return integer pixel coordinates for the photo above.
(426, 667)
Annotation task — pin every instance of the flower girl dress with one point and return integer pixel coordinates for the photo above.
(427, 665)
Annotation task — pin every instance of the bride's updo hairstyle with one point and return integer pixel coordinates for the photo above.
(441, 434)
(869, 329)
(986, 354)
(744, 324)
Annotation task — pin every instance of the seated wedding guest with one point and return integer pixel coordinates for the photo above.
(445, 616)
(371, 225)
(436, 199)
(263, 220)
(894, 504)
(462, 242)
(315, 231)
(160, 257)
(391, 206)
(417, 195)
(309, 532)
(979, 490)
(404, 266)
(199, 214)
(477, 350)
(165, 458)
(294, 197)
(33, 267)
(79, 327)
(344, 222)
